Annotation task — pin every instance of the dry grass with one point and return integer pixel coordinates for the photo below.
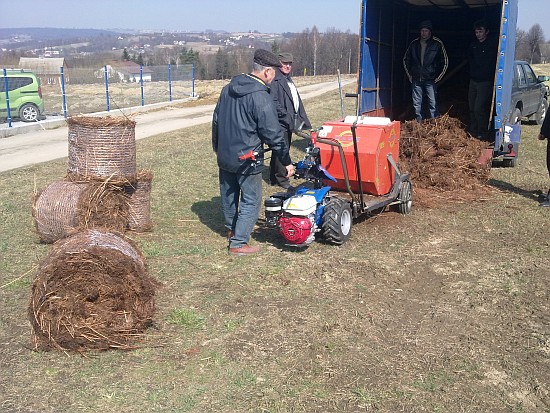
(444, 310)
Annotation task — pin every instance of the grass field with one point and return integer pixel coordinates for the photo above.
(443, 310)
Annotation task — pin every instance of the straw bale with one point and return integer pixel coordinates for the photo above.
(63, 206)
(441, 155)
(102, 148)
(139, 218)
(91, 292)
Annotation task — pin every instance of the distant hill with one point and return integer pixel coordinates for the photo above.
(49, 33)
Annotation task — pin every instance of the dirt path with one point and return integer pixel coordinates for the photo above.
(45, 145)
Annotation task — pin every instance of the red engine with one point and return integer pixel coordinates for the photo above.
(295, 229)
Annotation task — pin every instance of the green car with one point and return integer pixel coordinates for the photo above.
(25, 95)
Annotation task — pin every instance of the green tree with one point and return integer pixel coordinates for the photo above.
(125, 55)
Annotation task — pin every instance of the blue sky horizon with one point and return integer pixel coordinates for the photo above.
(232, 16)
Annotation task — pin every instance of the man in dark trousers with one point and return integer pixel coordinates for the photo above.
(545, 134)
(245, 118)
(482, 55)
(291, 113)
(425, 63)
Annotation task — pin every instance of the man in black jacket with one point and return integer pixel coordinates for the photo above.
(291, 113)
(244, 120)
(482, 55)
(425, 63)
(545, 134)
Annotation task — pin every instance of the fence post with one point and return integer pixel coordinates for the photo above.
(141, 83)
(193, 80)
(107, 89)
(7, 97)
(63, 95)
(170, 81)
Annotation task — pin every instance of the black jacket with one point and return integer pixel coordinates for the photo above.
(482, 58)
(244, 119)
(545, 128)
(435, 60)
(280, 91)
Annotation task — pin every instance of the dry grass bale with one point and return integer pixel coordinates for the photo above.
(139, 218)
(92, 292)
(65, 206)
(441, 155)
(102, 148)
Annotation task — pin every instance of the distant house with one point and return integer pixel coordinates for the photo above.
(128, 71)
(46, 68)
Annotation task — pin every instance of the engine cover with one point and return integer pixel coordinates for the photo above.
(295, 229)
(300, 205)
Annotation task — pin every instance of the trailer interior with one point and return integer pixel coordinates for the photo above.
(387, 28)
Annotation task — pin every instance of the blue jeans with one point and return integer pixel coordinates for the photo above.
(421, 88)
(241, 197)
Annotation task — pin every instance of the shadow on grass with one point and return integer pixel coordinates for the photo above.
(535, 195)
(210, 214)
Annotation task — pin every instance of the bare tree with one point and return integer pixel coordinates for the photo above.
(522, 49)
(535, 37)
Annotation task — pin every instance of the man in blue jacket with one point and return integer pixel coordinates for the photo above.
(425, 63)
(244, 120)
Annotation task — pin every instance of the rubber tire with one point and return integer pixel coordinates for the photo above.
(337, 221)
(541, 113)
(515, 119)
(28, 113)
(406, 197)
(510, 163)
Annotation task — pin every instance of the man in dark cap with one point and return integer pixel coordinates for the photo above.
(291, 113)
(425, 63)
(245, 118)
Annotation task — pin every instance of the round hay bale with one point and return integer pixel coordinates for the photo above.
(63, 206)
(139, 214)
(91, 292)
(102, 148)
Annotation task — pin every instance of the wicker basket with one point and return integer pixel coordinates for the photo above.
(139, 214)
(63, 206)
(91, 292)
(102, 148)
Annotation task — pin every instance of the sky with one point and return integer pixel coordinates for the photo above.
(272, 16)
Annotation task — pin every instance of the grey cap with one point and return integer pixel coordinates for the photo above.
(286, 57)
(266, 58)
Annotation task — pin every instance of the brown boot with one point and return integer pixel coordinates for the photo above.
(244, 250)
(229, 235)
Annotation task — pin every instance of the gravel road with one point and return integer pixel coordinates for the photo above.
(45, 145)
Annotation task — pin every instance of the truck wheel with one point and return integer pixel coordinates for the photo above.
(539, 116)
(516, 117)
(405, 196)
(337, 221)
(28, 113)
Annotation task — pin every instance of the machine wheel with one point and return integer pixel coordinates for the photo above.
(28, 113)
(539, 116)
(510, 163)
(405, 196)
(516, 117)
(337, 221)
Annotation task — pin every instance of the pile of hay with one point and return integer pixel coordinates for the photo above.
(102, 148)
(63, 207)
(441, 155)
(139, 218)
(92, 292)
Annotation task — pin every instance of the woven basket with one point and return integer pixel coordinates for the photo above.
(63, 206)
(139, 214)
(91, 292)
(102, 148)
